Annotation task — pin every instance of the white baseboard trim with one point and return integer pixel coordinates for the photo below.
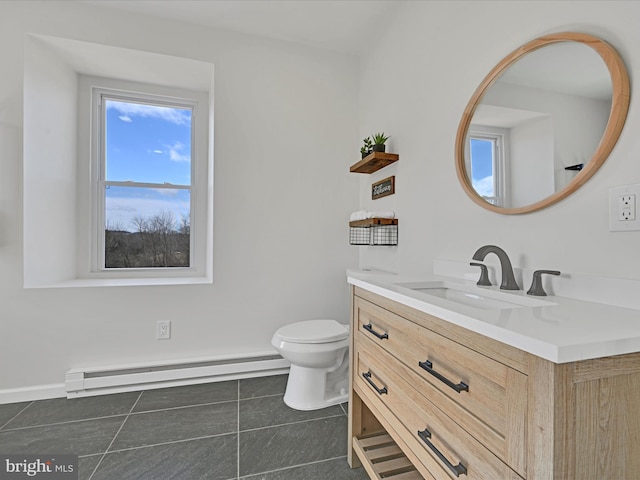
(28, 394)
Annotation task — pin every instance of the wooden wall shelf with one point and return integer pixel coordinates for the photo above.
(369, 222)
(374, 162)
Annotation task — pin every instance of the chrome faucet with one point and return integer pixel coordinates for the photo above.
(508, 280)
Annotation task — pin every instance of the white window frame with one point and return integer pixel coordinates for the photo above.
(100, 95)
(201, 225)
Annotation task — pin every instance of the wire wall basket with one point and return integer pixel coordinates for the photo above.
(374, 231)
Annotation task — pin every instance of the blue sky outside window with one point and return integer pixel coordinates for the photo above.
(150, 146)
(482, 166)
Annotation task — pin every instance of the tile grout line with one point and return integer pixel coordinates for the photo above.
(179, 407)
(115, 436)
(172, 442)
(298, 465)
(62, 423)
(293, 423)
(116, 415)
(16, 415)
(2, 428)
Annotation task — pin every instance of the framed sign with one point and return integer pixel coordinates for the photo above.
(383, 188)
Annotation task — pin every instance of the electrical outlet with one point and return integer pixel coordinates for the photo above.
(627, 207)
(625, 216)
(163, 330)
(622, 208)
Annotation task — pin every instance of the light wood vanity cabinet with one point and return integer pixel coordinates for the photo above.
(433, 400)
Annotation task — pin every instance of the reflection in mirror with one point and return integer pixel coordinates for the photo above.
(546, 113)
(538, 126)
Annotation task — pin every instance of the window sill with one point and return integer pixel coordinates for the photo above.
(125, 282)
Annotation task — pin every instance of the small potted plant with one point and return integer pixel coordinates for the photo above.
(378, 142)
(366, 148)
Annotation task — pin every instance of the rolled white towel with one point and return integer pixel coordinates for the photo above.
(382, 214)
(360, 215)
(366, 214)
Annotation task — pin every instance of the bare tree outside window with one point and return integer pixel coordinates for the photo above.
(157, 241)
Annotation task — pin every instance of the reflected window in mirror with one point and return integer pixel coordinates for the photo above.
(487, 165)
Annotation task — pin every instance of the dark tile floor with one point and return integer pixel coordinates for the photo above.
(235, 430)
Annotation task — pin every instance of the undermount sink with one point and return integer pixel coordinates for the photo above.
(473, 296)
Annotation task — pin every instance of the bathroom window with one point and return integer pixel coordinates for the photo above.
(148, 199)
(487, 166)
(144, 183)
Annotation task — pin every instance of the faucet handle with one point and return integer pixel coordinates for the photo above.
(484, 274)
(536, 284)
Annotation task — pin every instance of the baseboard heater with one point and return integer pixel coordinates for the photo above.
(145, 376)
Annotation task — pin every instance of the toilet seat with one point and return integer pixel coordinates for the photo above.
(312, 331)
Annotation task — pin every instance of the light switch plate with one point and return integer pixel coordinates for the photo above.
(623, 207)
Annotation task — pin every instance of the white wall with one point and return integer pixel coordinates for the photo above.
(421, 73)
(285, 134)
(52, 145)
(531, 160)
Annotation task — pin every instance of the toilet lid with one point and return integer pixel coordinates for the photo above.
(313, 331)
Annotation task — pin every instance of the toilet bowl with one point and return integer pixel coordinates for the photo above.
(318, 351)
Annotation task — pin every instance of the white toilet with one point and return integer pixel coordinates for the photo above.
(319, 354)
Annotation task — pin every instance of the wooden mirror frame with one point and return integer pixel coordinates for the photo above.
(617, 117)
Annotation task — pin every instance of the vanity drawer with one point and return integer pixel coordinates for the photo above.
(462, 382)
(443, 447)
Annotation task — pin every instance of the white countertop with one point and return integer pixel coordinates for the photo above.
(559, 329)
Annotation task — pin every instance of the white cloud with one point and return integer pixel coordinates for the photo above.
(158, 151)
(126, 119)
(167, 192)
(484, 186)
(175, 153)
(128, 110)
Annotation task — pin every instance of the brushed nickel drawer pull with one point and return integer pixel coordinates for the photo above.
(370, 329)
(367, 377)
(457, 470)
(458, 387)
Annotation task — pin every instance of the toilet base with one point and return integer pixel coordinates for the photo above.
(316, 388)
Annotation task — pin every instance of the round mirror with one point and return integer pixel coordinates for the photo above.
(542, 122)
